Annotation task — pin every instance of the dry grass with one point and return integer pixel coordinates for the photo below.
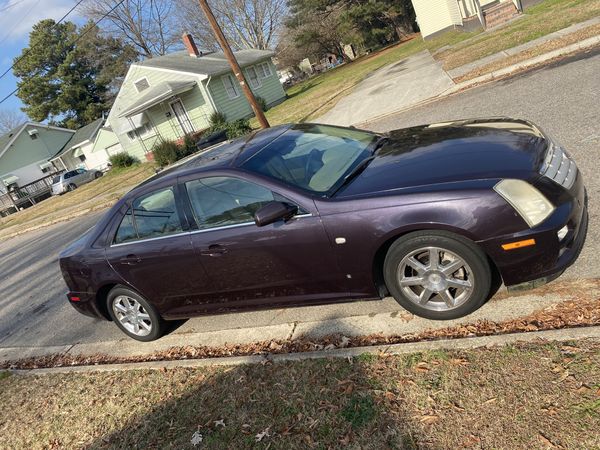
(541, 49)
(538, 396)
(539, 20)
(98, 194)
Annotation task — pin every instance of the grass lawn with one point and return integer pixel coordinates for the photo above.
(534, 396)
(95, 195)
(538, 21)
(314, 97)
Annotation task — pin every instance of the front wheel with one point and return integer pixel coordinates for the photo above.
(71, 187)
(133, 314)
(437, 275)
(97, 175)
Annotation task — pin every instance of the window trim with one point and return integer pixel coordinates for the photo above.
(235, 89)
(137, 81)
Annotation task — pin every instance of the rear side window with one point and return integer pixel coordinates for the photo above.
(223, 201)
(152, 215)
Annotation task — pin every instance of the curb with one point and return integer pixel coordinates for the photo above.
(495, 75)
(381, 350)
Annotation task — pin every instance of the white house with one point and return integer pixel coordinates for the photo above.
(438, 16)
(79, 151)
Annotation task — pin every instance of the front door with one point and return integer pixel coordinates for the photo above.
(154, 255)
(251, 265)
(182, 117)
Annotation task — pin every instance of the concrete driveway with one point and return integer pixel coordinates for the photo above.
(34, 311)
(391, 88)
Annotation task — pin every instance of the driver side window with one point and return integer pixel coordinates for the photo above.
(223, 201)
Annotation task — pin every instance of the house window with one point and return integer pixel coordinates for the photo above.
(81, 158)
(264, 69)
(141, 84)
(253, 77)
(230, 86)
(143, 132)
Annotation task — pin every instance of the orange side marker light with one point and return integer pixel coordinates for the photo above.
(518, 244)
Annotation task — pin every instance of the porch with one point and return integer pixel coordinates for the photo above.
(19, 197)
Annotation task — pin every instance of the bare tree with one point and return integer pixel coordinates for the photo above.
(246, 23)
(11, 119)
(150, 26)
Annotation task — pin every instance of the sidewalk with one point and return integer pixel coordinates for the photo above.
(530, 307)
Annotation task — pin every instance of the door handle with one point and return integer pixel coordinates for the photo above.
(130, 260)
(214, 250)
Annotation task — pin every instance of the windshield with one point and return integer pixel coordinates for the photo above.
(313, 157)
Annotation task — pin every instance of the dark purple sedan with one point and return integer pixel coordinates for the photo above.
(437, 216)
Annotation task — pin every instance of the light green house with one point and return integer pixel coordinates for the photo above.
(171, 96)
(25, 151)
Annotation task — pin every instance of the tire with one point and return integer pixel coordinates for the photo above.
(437, 275)
(126, 319)
(71, 187)
(97, 175)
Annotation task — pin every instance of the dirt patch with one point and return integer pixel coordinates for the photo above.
(580, 311)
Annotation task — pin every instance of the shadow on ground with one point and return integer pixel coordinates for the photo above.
(327, 404)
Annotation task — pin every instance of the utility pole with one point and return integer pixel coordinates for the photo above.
(258, 112)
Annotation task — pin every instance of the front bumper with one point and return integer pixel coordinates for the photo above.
(86, 304)
(532, 266)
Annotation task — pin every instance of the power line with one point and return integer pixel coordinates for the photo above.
(29, 49)
(75, 41)
(18, 22)
(6, 8)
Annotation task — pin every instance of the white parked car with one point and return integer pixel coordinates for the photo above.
(68, 181)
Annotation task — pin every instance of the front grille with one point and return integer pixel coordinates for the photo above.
(559, 167)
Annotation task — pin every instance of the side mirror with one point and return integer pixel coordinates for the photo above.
(273, 212)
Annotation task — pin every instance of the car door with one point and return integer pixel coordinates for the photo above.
(82, 176)
(152, 252)
(249, 265)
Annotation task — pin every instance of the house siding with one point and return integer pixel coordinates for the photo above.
(196, 105)
(436, 15)
(22, 159)
(238, 108)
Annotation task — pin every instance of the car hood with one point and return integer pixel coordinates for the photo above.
(452, 152)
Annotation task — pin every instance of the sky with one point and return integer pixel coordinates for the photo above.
(17, 17)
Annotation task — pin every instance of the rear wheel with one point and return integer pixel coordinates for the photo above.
(97, 175)
(134, 315)
(437, 275)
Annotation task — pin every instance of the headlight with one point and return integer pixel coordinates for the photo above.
(527, 200)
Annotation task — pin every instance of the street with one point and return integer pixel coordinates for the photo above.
(563, 99)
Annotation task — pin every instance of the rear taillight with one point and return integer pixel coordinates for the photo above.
(74, 298)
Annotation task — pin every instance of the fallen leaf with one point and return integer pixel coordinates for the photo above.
(263, 434)
(422, 367)
(429, 418)
(220, 423)
(564, 376)
(544, 440)
(196, 438)
(491, 400)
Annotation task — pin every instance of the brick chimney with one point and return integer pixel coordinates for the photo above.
(190, 45)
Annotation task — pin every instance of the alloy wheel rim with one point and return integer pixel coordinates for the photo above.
(436, 279)
(132, 315)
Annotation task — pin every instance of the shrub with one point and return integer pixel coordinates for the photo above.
(217, 120)
(166, 152)
(122, 159)
(188, 147)
(262, 103)
(238, 128)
